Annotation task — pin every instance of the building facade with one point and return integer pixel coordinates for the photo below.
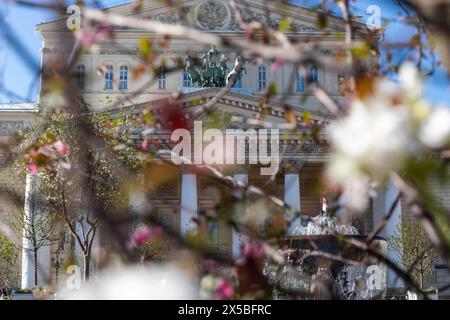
(179, 197)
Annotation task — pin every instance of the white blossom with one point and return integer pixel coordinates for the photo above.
(410, 81)
(154, 282)
(435, 131)
(374, 138)
(378, 135)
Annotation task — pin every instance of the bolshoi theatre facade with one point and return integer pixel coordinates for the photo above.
(182, 193)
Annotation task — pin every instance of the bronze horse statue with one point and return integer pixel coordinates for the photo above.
(213, 70)
(192, 72)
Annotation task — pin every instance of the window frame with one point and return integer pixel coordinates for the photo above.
(109, 77)
(213, 233)
(314, 72)
(81, 77)
(187, 81)
(300, 83)
(123, 77)
(262, 78)
(162, 78)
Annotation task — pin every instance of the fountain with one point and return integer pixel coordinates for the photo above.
(321, 265)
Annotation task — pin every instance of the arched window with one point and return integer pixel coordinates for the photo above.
(187, 81)
(109, 77)
(299, 83)
(262, 78)
(162, 78)
(123, 85)
(314, 74)
(238, 82)
(81, 75)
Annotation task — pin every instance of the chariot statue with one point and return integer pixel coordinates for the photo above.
(213, 71)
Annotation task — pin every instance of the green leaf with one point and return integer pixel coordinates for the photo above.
(149, 119)
(145, 47)
(272, 90)
(307, 117)
(362, 50)
(285, 24)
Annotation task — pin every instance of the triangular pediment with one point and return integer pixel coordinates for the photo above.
(218, 15)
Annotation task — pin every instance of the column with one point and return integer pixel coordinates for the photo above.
(237, 238)
(137, 200)
(292, 192)
(27, 255)
(188, 203)
(31, 208)
(389, 231)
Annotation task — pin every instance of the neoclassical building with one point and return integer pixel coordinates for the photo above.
(177, 199)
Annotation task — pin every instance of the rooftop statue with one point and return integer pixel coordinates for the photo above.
(213, 71)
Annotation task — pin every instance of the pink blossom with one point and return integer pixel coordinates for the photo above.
(33, 168)
(144, 234)
(211, 266)
(224, 290)
(61, 147)
(254, 251)
(34, 152)
(144, 145)
(89, 37)
(278, 64)
(251, 252)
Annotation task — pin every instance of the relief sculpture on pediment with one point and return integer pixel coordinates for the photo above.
(217, 15)
(213, 14)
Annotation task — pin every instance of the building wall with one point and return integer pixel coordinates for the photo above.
(97, 96)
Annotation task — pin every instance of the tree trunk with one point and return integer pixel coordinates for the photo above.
(422, 279)
(35, 250)
(86, 263)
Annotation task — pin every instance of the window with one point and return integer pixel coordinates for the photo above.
(187, 81)
(81, 74)
(213, 233)
(238, 82)
(166, 221)
(261, 78)
(314, 74)
(109, 77)
(299, 83)
(123, 78)
(162, 82)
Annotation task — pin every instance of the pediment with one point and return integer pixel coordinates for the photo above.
(218, 16)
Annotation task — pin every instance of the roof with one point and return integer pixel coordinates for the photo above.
(306, 13)
(19, 107)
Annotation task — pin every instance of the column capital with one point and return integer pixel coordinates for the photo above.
(188, 169)
(292, 166)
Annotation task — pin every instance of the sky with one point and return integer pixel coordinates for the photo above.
(18, 81)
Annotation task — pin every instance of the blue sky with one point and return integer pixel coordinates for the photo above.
(20, 80)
